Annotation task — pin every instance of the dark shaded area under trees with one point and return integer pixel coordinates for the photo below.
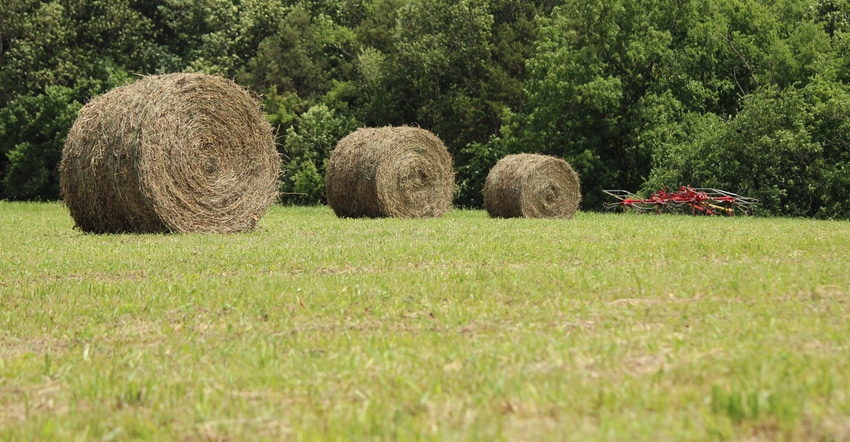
(752, 96)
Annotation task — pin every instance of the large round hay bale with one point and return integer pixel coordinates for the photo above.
(401, 172)
(176, 152)
(532, 186)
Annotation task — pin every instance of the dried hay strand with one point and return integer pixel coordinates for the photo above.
(532, 186)
(400, 172)
(170, 153)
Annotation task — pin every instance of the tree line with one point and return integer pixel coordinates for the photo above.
(750, 96)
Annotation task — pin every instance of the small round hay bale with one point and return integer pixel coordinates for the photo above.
(401, 172)
(176, 152)
(532, 186)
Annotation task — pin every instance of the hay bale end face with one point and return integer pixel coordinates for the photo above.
(176, 152)
(401, 172)
(532, 186)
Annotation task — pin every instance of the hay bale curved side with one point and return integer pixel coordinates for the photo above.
(401, 172)
(532, 186)
(175, 152)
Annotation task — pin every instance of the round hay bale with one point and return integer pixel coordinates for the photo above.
(176, 152)
(532, 186)
(401, 172)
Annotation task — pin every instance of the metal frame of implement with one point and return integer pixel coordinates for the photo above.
(701, 201)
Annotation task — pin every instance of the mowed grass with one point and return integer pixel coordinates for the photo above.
(604, 327)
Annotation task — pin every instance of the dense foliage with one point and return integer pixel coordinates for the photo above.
(752, 96)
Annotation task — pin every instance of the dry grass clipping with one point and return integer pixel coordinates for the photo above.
(532, 186)
(401, 172)
(170, 153)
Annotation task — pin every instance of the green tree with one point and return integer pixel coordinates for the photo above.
(308, 147)
(788, 148)
(212, 36)
(833, 15)
(304, 56)
(56, 55)
(32, 131)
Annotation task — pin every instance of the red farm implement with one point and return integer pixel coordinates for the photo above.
(698, 201)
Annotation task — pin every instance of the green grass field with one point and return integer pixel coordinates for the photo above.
(604, 327)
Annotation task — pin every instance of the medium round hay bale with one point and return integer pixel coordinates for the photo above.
(532, 186)
(401, 172)
(176, 152)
